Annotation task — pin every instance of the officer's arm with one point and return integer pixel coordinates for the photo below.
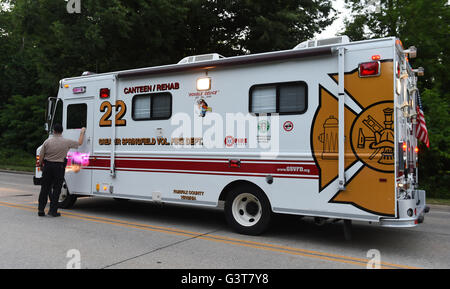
(42, 155)
(81, 139)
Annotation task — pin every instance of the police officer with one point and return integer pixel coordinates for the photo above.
(52, 161)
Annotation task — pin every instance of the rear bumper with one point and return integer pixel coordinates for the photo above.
(411, 212)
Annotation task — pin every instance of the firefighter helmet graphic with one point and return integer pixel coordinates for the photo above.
(372, 137)
(382, 140)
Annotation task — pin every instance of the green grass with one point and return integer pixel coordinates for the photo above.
(434, 201)
(17, 161)
(16, 168)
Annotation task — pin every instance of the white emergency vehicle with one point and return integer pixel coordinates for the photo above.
(323, 130)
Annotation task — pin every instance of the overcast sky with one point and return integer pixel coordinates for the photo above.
(338, 24)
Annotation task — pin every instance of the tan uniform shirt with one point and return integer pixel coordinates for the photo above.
(55, 149)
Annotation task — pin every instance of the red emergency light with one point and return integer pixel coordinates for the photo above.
(104, 92)
(369, 69)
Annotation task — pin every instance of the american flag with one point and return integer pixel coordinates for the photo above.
(421, 127)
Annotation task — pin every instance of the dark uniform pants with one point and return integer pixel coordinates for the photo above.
(52, 180)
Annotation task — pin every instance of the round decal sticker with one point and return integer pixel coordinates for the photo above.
(229, 141)
(288, 126)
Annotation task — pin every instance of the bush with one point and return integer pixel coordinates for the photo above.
(17, 160)
(434, 162)
(22, 123)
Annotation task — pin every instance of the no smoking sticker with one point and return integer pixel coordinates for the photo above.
(288, 126)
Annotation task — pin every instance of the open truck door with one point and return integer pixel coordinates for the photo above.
(79, 114)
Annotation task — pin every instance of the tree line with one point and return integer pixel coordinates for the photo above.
(41, 43)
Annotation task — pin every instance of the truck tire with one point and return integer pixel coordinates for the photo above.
(247, 210)
(66, 199)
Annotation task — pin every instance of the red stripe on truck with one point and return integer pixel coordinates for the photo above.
(300, 169)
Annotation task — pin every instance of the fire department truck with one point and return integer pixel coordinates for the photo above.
(324, 130)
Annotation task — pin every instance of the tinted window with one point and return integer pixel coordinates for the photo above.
(152, 106)
(76, 115)
(283, 98)
(292, 98)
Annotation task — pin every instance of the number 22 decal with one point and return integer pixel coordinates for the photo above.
(121, 109)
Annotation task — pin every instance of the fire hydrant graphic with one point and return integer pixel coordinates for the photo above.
(329, 138)
(382, 139)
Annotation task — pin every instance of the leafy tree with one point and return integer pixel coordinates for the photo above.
(23, 121)
(41, 43)
(17, 70)
(107, 35)
(434, 170)
(252, 26)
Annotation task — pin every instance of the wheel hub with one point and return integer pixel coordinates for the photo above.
(246, 209)
(252, 208)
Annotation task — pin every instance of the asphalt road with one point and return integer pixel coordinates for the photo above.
(113, 234)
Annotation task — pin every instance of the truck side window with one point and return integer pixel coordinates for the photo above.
(76, 115)
(154, 106)
(282, 98)
(264, 99)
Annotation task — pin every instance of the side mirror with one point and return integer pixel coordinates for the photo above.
(412, 52)
(49, 108)
(419, 71)
(50, 112)
(46, 126)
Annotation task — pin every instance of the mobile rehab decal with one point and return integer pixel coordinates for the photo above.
(152, 88)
